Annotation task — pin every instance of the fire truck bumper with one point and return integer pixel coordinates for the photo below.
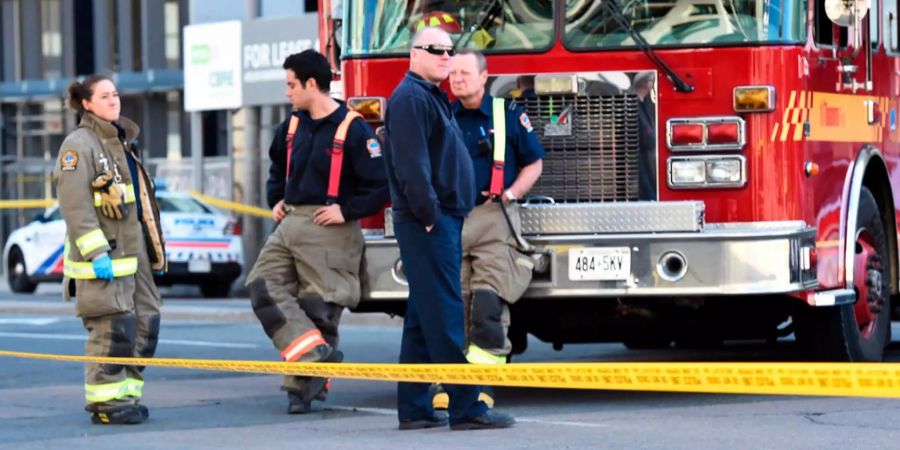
(720, 259)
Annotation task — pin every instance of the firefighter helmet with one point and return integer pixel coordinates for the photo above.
(439, 19)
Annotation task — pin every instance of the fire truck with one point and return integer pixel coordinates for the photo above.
(715, 169)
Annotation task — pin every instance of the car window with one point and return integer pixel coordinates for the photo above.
(181, 205)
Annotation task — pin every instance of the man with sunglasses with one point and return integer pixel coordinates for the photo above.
(433, 189)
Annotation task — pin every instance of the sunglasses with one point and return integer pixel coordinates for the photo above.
(437, 49)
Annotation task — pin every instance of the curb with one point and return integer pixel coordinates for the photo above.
(181, 312)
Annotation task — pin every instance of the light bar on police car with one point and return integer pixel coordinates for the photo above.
(556, 84)
(707, 171)
(754, 99)
(371, 108)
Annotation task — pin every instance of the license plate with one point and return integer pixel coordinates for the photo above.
(612, 263)
(199, 265)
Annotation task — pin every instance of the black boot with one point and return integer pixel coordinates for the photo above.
(120, 415)
(315, 388)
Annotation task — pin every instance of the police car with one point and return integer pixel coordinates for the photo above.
(203, 246)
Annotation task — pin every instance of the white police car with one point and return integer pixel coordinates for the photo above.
(203, 247)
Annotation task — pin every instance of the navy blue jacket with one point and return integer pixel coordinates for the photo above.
(522, 146)
(429, 169)
(363, 188)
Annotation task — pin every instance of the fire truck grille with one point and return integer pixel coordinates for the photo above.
(592, 146)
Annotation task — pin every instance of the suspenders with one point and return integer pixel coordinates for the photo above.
(337, 153)
(499, 147)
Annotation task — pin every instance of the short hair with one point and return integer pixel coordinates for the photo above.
(310, 64)
(479, 57)
(417, 37)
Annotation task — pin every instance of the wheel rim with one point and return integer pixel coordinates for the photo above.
(868, 283)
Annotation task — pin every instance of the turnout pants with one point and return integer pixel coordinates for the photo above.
(122, 319)
(304, 277)
(494, 275)
(433, 330)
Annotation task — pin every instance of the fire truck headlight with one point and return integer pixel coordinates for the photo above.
(556, 84)
(371, 108)
(707, 171)
(724, 171)
(754, 99)
(684, 172)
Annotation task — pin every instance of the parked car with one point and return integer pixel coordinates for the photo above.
(203, 246)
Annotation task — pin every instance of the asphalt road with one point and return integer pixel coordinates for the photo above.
(41, 402)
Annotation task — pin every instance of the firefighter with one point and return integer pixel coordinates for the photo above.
(432, 190)
(97, 198)
(507, 159)
(326, 173)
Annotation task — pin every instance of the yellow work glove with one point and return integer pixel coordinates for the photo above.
(112, 199)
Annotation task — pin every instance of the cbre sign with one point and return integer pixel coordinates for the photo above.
(232, 64)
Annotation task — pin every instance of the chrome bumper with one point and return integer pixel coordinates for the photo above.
(722, 259)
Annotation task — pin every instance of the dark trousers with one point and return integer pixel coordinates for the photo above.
(433, 329)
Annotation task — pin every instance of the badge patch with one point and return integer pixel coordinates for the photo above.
(526, 122)
(68, 161)
(374, 148)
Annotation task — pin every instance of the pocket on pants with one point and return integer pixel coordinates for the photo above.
(342, 278)
(95, 298)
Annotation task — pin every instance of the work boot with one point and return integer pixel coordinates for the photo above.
(487, 421)
(120, 415)
(315, 389)
(319, 386)
(297, 405)
(439, 398)
(438, 419)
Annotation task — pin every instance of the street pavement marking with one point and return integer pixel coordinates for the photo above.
(26, 321)
(79, 337)
(393, 412)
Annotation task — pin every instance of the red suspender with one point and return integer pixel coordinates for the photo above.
(337, 157)
(292, 129)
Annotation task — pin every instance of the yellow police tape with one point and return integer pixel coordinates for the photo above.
(219, 203)
(23, 204)
(822, 379)
(234, 206)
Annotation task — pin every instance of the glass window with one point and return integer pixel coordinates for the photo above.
(386, 26)
(172, 29)
(686, 22)
(181, 205)
(51, 38)
(891, 25)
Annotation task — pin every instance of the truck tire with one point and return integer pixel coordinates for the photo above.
(17, 275)
(860, 331)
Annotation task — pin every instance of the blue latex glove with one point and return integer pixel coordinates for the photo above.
(159, 273)
(103, 267)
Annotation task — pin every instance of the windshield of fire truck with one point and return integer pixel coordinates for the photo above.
(686, 22)
(384, 27)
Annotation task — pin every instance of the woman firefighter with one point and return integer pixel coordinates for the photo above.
(114, 244)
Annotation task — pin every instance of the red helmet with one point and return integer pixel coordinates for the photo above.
(439, 19)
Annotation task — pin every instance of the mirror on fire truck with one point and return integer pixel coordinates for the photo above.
(846, 12)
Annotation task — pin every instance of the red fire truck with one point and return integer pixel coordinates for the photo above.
(767, 130)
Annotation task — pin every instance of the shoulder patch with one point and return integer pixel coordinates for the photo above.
(526, 122)
(374, 148)
(68, 161)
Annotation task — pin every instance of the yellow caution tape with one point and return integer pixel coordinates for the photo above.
(23, 204)
(234, 206)
(822, 379)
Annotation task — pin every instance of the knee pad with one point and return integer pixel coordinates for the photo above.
(270, 317)
(123, 328)
(152, 337)
(486, 328)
